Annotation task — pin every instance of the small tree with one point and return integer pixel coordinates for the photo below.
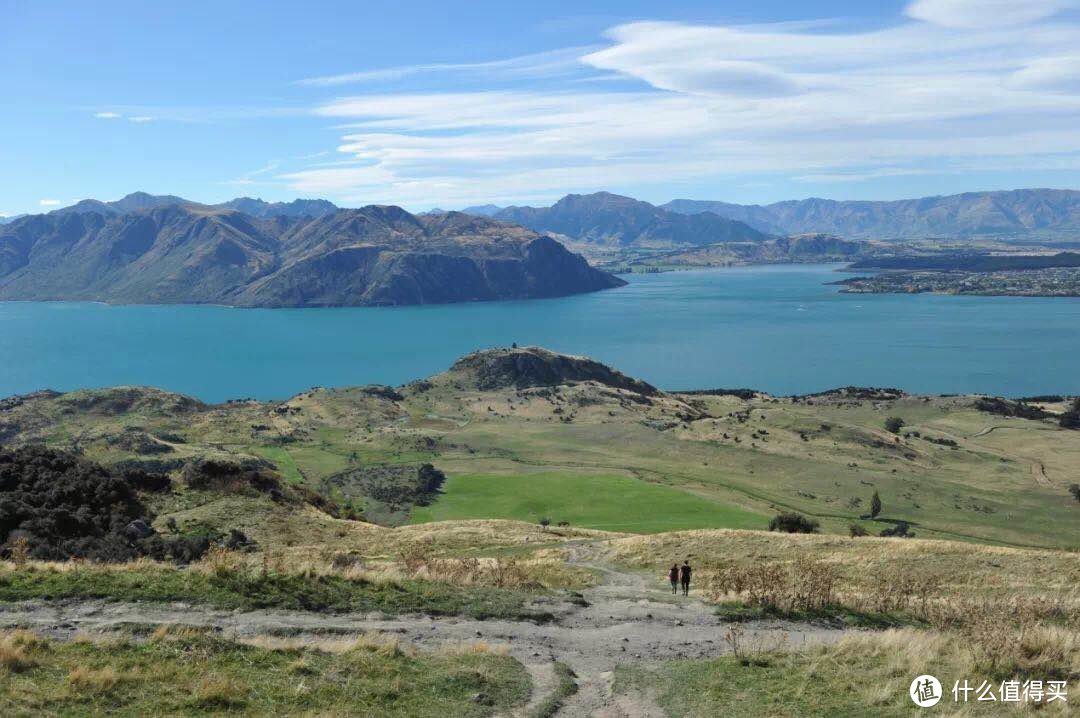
(894, 424)
(875, 505)
(856, 530)
(544, 523)
(1074, 489)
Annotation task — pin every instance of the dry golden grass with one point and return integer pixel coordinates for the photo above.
(1044, 653)
(384, 645)
(18, 649)
(415, 561)
(95, 681)
(954, 568)
(477, 647)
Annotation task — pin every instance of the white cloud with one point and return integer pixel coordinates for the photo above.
(985, 13)
(106, 115)
(809, 101)
(1050, 74)
(141, 119)
(48, 202)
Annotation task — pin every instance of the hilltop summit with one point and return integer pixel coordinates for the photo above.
(526, 367)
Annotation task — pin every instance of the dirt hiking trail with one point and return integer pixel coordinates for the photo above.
(627, 621)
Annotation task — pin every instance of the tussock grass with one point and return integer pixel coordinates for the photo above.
(193, 673)
(93, 681)
(20, 650)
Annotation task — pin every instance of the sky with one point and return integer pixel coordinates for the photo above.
(449, 104)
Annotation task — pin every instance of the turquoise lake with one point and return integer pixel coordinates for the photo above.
(774, 328)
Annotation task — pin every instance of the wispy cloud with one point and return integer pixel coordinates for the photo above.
(257, 176)
(107, 115)
(49, 202)
(534, 65)
(937, 89)
(140, 119)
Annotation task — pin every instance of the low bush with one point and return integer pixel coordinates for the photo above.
(64, 507)
(56, 506)
(902, 529)
(1004, 407)
(793, 523)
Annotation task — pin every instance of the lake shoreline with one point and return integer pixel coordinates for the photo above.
(778, 328)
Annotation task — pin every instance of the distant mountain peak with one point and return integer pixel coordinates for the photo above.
(486, 210)
(611, 219)
(295, 208)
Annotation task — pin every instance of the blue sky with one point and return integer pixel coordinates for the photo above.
(428, 104)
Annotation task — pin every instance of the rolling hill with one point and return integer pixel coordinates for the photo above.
(526, 433)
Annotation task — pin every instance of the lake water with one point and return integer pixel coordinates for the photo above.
(774, 328)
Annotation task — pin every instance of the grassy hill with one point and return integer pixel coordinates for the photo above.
(596, 449)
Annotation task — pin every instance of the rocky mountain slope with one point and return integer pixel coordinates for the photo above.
(146, 249)
(613, 220)
(1038, 213)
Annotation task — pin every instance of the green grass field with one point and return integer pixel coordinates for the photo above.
(596, 501)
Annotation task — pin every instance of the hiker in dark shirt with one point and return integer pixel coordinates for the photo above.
(673, 576)
(684, 575)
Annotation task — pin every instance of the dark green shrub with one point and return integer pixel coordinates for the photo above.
(793, 523)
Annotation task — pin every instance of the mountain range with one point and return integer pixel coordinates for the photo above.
(1036, 213)
(615, 221)
(153, 249)
(610, 219)
(252, 207)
